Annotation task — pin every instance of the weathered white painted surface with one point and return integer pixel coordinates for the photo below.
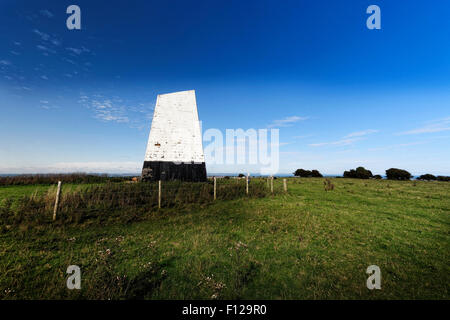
(175, 133)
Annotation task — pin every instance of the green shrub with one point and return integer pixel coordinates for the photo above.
(307, 173)
(427, 177)
(316, 174)
(397, 174)
(359, 173)
(302, 173)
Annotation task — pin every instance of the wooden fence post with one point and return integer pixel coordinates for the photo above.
(285, 185)
(246, 183)
(271, 184)
(58, 192)
(159, 194)
(214, 188)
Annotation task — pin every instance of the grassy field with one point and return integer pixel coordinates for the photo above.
(307, 244)
(15, 192)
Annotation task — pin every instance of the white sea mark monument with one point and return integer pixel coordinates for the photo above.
(174, 149)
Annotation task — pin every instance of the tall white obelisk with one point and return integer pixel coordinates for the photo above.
(174, 149)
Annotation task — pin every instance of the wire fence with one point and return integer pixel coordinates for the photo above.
(130, 200)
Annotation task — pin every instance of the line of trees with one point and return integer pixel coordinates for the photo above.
(430, 177)
(363, 173)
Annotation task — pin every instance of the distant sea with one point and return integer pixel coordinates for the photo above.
(215, 174)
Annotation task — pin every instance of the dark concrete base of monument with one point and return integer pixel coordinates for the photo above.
(164, 170)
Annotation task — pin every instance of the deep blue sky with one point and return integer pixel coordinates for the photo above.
(83, 100)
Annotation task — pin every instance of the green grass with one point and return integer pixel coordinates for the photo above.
(307, 244)
(15, 192)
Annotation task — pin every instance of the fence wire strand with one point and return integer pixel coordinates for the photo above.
(84, 202)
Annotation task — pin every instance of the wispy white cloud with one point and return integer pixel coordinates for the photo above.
(44, 36)
(68, 60)
(342, 142)
(48, 107)
(400, 145)
(44, 77)
(361, 133)
(431, 127)
(114, 109)
(55, 42)
(5, 63)
(78, 51)
(302, 137)
(45, 50)
(47, 38)
(46, 13)
(106, 111)
(346, 140)
(286, 122)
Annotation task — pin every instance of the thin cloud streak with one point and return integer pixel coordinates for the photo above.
(433, 126)
(46, 13)
(361, 133)
(115, 110)
(287, 122)
(78, 51)
(347, 139)
(342, 142)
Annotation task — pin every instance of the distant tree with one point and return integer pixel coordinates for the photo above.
(397, 174)
(302, 173)
(427, 177)
(363, 173)
(350, 174)
(443, 178)
(316, 174)
(377, 176)
(307, 173)
(241, 175)
(359, 173)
